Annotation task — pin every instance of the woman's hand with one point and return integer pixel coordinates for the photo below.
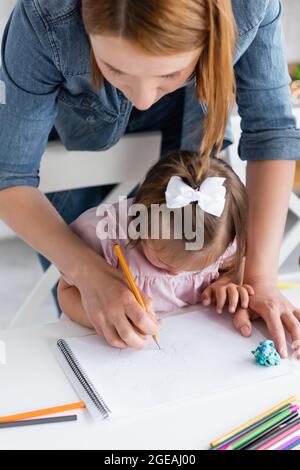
(276, 310)
(222, 293)
(112, 308)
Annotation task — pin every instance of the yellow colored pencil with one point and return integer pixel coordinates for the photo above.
(287, 285)
(253, 421)
(130, 279)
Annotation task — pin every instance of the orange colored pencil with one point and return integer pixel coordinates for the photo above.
(43, 412)
(130, 279)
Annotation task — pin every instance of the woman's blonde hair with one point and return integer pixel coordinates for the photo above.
(218, 232)
(167, 27)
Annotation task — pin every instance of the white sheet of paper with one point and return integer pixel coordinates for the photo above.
(201, 354)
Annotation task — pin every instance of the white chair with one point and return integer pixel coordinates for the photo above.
(292, 236)
(125, 164)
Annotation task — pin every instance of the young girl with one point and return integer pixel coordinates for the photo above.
(169, 272)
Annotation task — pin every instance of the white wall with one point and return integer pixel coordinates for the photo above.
(291, 23)
(6, 7)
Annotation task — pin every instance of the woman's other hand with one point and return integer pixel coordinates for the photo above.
(278, 313)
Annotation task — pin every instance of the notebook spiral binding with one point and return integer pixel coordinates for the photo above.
(87, 385)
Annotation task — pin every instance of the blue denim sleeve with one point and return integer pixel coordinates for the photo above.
(29, 80)
(263, 95)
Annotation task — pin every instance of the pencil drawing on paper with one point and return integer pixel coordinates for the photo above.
(159, 364)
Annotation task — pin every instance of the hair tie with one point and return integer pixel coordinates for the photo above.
(210, 196)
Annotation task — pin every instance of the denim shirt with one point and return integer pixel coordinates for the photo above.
(45, 78)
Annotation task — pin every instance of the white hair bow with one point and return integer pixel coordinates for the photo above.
(210, 195)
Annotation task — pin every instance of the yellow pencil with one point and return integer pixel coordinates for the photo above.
(287, 285)
(130, 279)
(253, 421)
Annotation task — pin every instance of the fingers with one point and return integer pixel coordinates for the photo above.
(126, 323)
(149, 306)
(249, 289)
(140, 319)
(242, 323)
(206, 296)
(218, 293)
(110, 334)
(119, 332)
(244, 292)
(293, 327)
(129, 335)
(238, 294)
(296, 347)
(276, 329)
(230, 294)
(221, 297)
(296, 341)
(233, 297)
(296, 312)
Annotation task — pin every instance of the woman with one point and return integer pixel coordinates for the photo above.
(143, 57)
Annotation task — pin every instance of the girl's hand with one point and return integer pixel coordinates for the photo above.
(276, 310)
(111, 307)
(227, 293)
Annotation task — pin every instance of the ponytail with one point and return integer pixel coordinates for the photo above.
(216, 84)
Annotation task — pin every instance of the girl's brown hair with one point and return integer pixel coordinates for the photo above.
(166, 27)
(219, 232)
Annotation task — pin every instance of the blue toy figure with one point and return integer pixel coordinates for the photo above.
(266, 354)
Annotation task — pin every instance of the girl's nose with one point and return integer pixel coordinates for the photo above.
(144, 98)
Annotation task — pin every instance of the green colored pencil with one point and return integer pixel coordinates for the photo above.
(253, 426)
(260, 429)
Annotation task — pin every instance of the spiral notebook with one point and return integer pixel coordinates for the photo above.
(201, 354)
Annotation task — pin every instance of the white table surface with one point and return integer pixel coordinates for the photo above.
(32, 379)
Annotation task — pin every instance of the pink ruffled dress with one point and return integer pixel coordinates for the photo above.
(168, 292)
